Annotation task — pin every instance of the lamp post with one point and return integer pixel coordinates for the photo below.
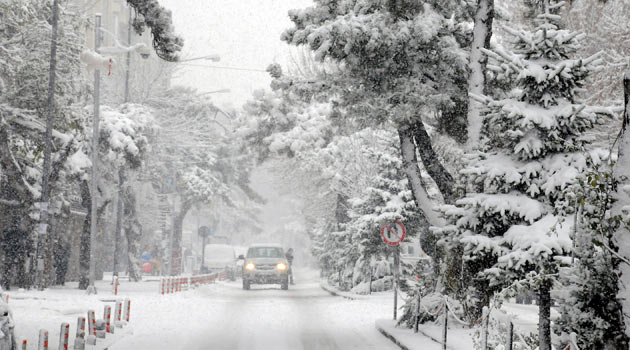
(43, 205)
(220, 91)
(93, 185)
(144, 53)
(213, 58)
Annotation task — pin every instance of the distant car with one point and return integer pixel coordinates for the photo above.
(220, 257)
(265, 264)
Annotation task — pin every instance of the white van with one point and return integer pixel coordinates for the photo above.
(220, 257)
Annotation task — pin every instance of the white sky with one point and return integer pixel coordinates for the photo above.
(245, 33)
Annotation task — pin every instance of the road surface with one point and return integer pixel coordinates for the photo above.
(223, 316)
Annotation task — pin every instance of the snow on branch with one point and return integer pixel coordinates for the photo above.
(167, 45)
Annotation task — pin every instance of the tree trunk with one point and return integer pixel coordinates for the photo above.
(544, 315)
(177, 236)
(621, 207)
(119, 217)
(432, 163)
(100, 239)
(133, 231)
(84, 249)
(482, 33)
(410, 166)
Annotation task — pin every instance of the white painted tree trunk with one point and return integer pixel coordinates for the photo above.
(476, 83)
(621, 207)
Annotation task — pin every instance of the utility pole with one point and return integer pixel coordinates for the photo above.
(128, 57)
(43, 205)
(95, 135)
(121, 171)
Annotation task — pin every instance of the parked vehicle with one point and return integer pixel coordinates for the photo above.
(265, 264)
(220, 257)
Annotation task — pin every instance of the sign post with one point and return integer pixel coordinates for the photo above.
(393, 236)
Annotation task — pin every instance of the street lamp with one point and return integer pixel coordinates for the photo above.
(220, 91)
(213, 58)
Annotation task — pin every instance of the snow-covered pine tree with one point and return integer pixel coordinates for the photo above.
(166, 43)
(588, 303)
(620, 210)
(401, 59)
(386, 200)
(513, 223)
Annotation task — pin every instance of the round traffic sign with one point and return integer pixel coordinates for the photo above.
(393, 235)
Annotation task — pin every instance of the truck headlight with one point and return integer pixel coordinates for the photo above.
(281, 266)
(250, 266)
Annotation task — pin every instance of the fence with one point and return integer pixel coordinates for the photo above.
(97, 329)
(169, 285)
(444, 309)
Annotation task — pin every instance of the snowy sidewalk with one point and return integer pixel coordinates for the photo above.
(429, 336)
(34, 310)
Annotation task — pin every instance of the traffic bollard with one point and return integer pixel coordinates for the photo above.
(116, 283)
(64, 335)
(24, 343)
(107, 317)
(79, 340)
(127, 309)
(118, 314)
(91, 319)
(43, 340)
(91, 322)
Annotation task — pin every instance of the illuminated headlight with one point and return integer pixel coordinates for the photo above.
(250, 266)
(281, 266)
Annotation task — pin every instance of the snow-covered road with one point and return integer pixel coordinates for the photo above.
(223, 316)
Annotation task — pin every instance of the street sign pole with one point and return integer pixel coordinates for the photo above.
(396, 277)
(393, 237)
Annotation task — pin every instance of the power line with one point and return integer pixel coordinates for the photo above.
(224, 67)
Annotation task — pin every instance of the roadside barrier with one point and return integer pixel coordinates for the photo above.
(115, 285)
(169, 285)
(64, 336)
(127, 309)
(43, 340)
(444, 309)
(96, 328)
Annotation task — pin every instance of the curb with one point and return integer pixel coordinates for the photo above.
(335, 292)
(391, 337)
(387, 334)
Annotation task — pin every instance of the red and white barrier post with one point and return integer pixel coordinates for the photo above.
(116, 283)
(43, 340)
(118, 314)
(162, 285)
(64, 335)
(107, 317)
(91, 320)
(127, 308)
(79, 340)
(24, 343)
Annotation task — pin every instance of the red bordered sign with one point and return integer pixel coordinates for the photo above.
(393, 235)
